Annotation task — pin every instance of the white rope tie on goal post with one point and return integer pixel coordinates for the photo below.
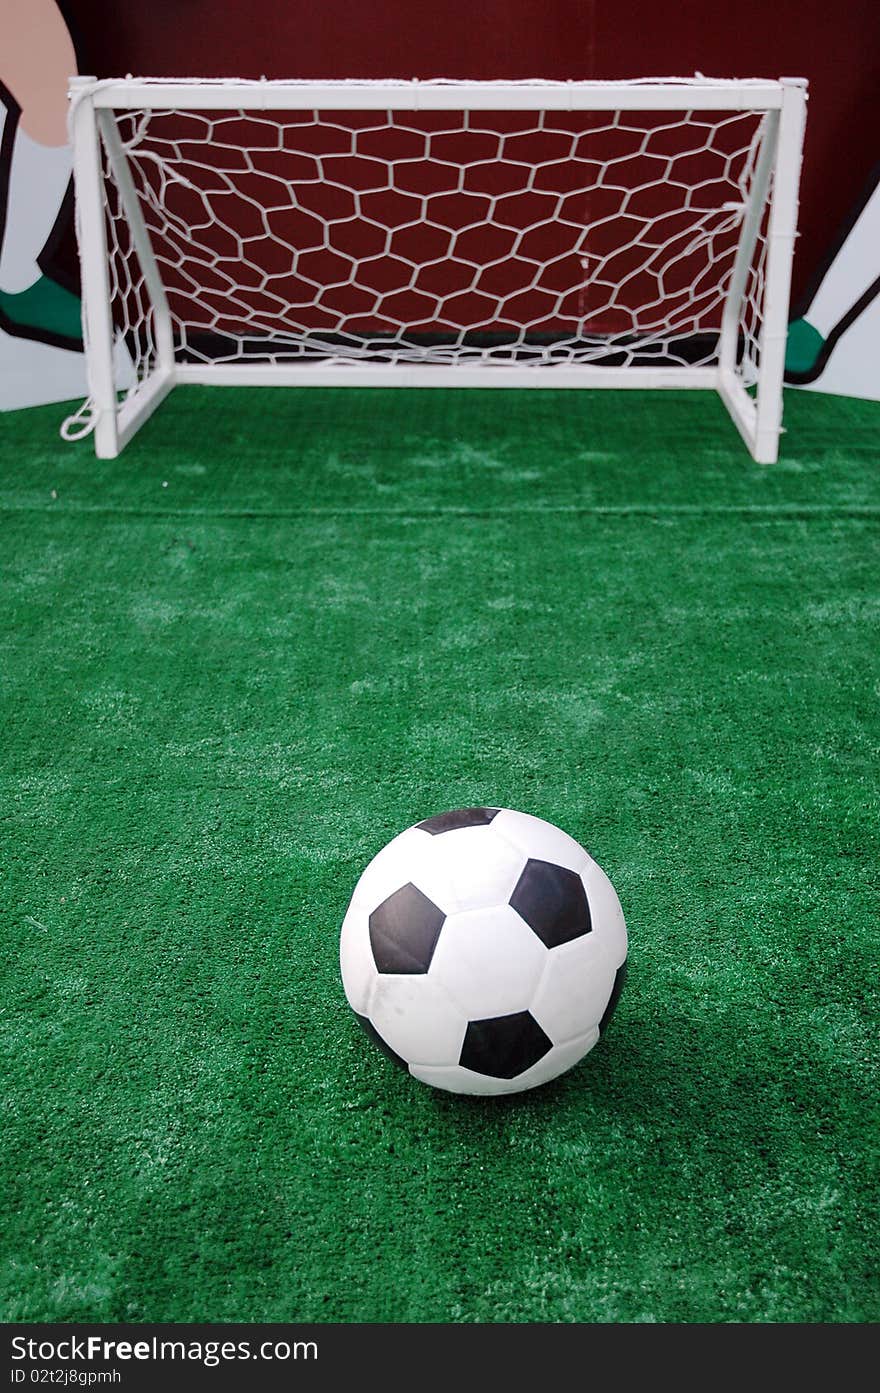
(81, 423)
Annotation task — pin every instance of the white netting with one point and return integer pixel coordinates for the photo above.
(437, 237)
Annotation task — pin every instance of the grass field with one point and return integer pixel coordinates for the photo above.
(283, 626)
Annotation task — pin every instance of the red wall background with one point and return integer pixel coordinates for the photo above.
(836, 46)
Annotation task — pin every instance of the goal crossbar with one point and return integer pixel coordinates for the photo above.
(553, 234)
(219, 94)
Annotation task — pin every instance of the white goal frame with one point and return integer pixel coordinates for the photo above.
(755, 407)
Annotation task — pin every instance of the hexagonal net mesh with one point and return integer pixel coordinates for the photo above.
(438, 236)
(421, 238)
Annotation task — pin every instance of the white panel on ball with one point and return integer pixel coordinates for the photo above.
(406, 859)
(561, 1058)
(539, 840)
(457, 1080)
(489, 961)
(605, 907)
(576, 986)
(356, 959)
(416, 1018)
(481, 867)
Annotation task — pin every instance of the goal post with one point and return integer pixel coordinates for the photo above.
(435, 234)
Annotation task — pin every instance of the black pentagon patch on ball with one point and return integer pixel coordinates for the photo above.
(404, 931)
(553, 902)
(613, 999)
(504, 1046)
(460, 817)
(384, 1046)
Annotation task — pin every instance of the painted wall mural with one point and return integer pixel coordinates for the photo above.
(834, 344)
(41, 358)
(834, 337)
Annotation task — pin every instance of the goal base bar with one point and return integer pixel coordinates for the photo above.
(110, 441)
(347, 374)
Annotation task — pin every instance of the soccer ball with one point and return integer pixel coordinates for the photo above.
(484, 950)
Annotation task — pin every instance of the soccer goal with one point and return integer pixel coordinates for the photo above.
(435, 234)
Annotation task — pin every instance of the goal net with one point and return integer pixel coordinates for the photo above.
(538, 234)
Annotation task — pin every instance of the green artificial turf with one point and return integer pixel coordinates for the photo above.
(283, 626)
